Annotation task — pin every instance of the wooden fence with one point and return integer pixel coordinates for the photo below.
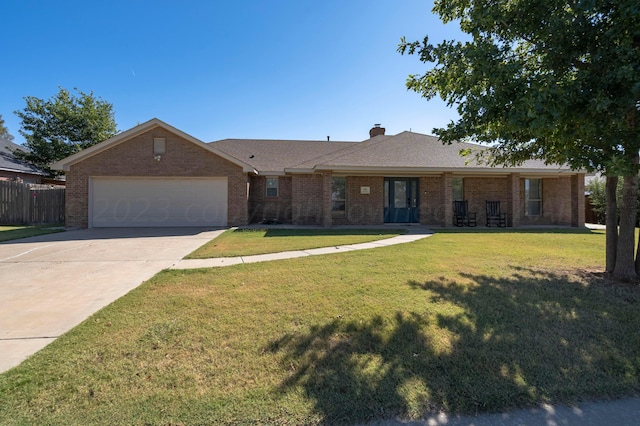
(28, 204)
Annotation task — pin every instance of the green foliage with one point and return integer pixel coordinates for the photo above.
(63, 125)
(548, 79)
(597, 198)
(551, 80)
(8, 233)
(4, 132)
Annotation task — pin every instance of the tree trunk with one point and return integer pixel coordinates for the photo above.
(611, 221)
(625, 259)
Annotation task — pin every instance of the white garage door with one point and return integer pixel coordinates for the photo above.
(157, 202)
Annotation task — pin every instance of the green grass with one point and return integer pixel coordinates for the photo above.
(246, 242)
(15, 232)
(464, 322)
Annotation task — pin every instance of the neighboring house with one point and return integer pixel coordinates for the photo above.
(16, 170)
(157, 175)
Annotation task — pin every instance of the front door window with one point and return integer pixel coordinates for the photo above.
(401, 200)
(400, 194)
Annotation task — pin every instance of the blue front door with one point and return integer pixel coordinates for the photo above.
(401, 200)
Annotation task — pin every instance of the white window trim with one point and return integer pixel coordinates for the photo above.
(527, 199)
(343, 211)
(453, 197)
(276, 187)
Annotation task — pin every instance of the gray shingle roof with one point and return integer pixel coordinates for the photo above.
(267, 155)
(9, 162)
(406, 150)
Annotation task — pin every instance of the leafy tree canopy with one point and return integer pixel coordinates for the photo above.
(63, 125)
(4, 132)
(555, 80)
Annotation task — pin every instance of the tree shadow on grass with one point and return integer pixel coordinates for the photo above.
(478, 344)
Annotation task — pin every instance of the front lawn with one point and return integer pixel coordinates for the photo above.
(246, 242)
(461, 322)
(15, 232)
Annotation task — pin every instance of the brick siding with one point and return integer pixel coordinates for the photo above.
(556, 203)
(363, 208)
(558, 198)
(270, 209)
(306, 198)
(432, 201)
(135, 158)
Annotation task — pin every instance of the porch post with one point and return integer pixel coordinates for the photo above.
(327, 220)
(577, 200)
(513, 187)
(447, 196)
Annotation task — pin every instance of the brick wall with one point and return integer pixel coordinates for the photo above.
(306, 199)
(556, 203)
(480, 190)
(265, 209)
(432, 201)
(363, 208)
(561, 199)
(368, 209)
(135, 157)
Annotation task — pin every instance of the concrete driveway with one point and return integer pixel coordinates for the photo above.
(49, 284)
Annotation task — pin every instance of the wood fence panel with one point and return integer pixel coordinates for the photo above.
(24, 204)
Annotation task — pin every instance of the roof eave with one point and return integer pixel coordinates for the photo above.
(26, 172)
(301, 170)
(271, 172)
(439, 170)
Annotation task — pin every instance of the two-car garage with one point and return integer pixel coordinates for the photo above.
(157, 202)
(154, 175)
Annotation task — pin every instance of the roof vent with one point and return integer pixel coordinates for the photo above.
(376, 130)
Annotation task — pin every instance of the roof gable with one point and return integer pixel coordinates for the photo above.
(66, 163)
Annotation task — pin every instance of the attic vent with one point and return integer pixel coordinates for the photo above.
(159, 146)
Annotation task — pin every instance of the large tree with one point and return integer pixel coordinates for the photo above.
(4, 132)
(555, 80)
(63, 125)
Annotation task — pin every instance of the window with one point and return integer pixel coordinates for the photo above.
(457, 189)
(386, 193)
(339, 194)
(272, 187)
(533, 196)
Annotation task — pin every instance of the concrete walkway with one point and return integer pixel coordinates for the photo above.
(622, 412)
(414, 233)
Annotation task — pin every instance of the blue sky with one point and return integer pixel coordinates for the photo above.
(281, 69)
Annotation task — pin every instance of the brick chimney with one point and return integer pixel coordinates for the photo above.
(376, 130)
